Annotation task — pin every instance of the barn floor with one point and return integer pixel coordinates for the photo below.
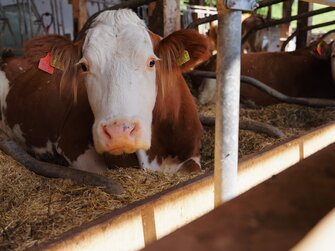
(34, 209)
(269, 216)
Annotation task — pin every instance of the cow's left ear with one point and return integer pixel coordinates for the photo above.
(323, 50)
(183, 49)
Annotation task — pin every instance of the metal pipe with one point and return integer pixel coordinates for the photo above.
(53, 15)
(227, 104)
(307, 28)
(30, 19)
(20, 20)
(57, 16)
(212, 18)
(286, 20)
(62, 17)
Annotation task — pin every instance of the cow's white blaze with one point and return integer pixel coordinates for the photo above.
(120, 82)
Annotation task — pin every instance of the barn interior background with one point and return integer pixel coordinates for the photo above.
(63, 205)
(20, 20)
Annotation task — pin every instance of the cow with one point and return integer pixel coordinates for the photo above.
(117, 97)
(257, 41)
(306, 72)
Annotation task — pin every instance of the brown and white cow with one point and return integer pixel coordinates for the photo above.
(303, 73)
(121, 93)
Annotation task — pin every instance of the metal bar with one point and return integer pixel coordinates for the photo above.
(53, 15)
(57, 16)
(30, 19)
(212, 18)
(307, 28)
(286, 20)
(20, 20)
(62, 16)
(227, 104)
(24, 11)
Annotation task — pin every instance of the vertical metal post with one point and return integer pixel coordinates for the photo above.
(227, 104)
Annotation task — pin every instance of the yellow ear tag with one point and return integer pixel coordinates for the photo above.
(183, 58)
(57, 63)
(318, 49)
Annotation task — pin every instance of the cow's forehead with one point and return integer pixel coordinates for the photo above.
(116, 32)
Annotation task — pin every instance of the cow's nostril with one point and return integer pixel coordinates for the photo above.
(105, 130)
(125, 128)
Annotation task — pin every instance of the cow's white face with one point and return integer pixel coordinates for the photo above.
(119, 63)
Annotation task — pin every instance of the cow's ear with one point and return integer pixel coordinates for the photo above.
(322, 49)
(183, 49)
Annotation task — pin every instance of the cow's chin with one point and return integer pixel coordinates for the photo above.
(123, 148)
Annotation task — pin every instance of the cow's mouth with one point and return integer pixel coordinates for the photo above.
(126, 148)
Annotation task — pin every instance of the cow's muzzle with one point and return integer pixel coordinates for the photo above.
(121, 136)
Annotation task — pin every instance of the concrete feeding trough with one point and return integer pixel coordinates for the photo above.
(135, 226)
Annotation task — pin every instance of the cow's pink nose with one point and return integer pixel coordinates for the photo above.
(121, 136)
(119, 129)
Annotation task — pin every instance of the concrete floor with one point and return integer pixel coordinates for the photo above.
(274, 215)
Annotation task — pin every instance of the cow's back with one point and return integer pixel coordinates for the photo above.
(294, 74)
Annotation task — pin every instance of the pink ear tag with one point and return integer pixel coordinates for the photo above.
(45, 65)
(318, 49)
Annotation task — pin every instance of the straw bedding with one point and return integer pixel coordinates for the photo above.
(34, 209)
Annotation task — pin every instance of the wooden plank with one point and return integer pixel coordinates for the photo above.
(320, 237)
(161, 214)
(164, 17)
(75, 16)
(325, 2)
(272, 216)
(83, 13)
(80, 15)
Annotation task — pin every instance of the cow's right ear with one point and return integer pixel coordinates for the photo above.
(183, 49)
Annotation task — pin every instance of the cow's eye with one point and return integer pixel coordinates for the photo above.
(152, 63)
(83, 64)
(84, 67)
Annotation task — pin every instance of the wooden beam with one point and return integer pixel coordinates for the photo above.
(325, 2)
(83, 14)
(75, 14)
(165, 17)
(80, 15)
(302, 34)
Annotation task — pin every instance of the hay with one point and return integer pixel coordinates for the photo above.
(34, 209)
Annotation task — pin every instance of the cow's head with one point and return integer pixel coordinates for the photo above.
(120, 60)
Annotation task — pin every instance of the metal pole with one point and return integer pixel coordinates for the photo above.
(227, 104)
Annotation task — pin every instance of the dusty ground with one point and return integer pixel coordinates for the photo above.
(34, 209)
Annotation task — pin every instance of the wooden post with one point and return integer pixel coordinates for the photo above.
(83, 14)
(165, 18)
(301, 24)
(80, 15)
(287, 12)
